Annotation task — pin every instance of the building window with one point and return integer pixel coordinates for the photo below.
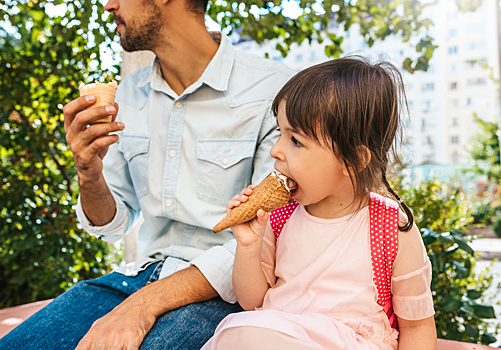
(476, 27)
(430, 141)
(428, 87)
(408, 140)
(477, 81)
(453, 86)
(454, 157)
(477, 45)
(453, 103)
(470, 64)
(455, 140)
(452, 32)
(452, 15)
(427, 106)
(428, 158)
(299, 58)
(478, 101)
(453, 68)
(453, 50)
(455, 122)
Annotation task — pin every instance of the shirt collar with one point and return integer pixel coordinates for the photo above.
(216, 75)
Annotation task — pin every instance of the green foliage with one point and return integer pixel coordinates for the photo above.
(496, 227)
(484, 211)
(484, 150)
(438, 206)
(378, 19)
(42, 249)
(442, 212)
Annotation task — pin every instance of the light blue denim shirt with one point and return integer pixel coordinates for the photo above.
(180, 159)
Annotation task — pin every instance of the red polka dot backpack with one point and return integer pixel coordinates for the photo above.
(384, 244)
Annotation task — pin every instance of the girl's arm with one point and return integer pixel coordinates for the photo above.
(248, 278)
(417, 335)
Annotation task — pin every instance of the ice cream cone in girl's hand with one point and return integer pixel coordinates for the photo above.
(272, 193)
(105, 96)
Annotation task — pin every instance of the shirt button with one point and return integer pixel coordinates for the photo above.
(127, 154)
(226, 160)
(168, 202)
(179, 104)
(172, 154)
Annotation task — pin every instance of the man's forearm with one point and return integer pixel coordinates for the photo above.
(182, 288)
(97, 201)
(129, 322)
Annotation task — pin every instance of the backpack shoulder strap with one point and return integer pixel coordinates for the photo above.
(279, 217)
(384, 248)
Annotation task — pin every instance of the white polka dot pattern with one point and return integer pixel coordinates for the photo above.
(279, 217)
(384, 243)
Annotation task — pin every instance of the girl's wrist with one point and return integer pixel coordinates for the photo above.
(250, 249)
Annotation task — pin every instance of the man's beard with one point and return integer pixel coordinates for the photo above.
(142, 34)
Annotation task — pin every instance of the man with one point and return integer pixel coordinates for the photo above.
(193, 130)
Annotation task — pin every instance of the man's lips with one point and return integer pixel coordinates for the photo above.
(119, 25)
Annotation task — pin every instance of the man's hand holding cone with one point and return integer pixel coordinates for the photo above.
(89, 144)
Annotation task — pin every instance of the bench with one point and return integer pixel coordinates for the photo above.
(13, 316)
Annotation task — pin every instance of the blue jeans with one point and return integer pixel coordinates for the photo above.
(62, 323)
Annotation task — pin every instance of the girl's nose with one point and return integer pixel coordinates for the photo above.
(276, 152)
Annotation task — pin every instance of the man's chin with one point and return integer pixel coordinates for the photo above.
(132, 48)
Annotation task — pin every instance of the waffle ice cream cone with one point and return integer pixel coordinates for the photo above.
(272, 193)
(105, 96)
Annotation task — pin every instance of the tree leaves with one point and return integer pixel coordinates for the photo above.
(377, 19)
(458, 293)
(42, 249)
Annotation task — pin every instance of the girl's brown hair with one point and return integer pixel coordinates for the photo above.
(349, 103)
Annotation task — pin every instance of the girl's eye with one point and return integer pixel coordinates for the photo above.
(296, 142)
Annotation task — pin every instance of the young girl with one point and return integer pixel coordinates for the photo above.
(327, 271)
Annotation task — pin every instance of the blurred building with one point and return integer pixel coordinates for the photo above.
(442, 100)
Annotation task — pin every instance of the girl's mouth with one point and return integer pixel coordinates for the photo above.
(292, 186)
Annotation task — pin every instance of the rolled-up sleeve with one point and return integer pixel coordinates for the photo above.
(112, 231)
(216, 264)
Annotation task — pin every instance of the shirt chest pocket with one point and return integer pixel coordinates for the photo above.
(224, 168)
(135, 151)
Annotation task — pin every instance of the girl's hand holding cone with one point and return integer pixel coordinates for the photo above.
(248, 234)
(270, 194)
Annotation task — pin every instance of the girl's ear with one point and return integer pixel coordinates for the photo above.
(347, 170)
(365, 157)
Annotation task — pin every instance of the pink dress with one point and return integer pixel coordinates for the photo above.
(323, 294)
